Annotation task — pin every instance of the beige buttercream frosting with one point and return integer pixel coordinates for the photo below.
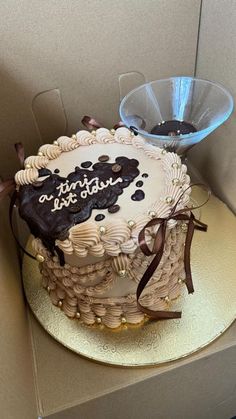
(27, 176)
(100, 291)
(36, 162)
(50, 151)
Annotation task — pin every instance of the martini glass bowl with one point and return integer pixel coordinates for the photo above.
(176, 113)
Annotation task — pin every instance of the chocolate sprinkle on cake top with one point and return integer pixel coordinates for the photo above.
(86, 164)
(103, 158)
(116, 168)
(113, 209)
(99, 217)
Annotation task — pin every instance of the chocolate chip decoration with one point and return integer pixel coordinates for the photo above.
(99, 217)
(56, 171)
(138, 195)
(86, 164)
(116, 168)
(113, 209)
(74, 209)
(103, 158)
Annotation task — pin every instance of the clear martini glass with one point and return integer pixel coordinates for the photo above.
(177, 113)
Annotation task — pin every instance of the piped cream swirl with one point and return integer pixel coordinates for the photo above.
(27, 176)
(67, 143)
(85, 138)
(36, 162)
(104, 136)
(51, 151)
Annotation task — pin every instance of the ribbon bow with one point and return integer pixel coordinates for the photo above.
(192, 223)
(92, 124)
(8, 186)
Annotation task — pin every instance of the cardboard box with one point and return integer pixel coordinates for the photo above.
(75, 52)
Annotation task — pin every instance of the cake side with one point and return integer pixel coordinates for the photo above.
(105, 292)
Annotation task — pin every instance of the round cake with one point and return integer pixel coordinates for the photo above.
(86, 200)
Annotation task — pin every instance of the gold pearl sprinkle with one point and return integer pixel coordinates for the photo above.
(77, 315)
(102, 229)
(163, 151)
(74, 137)
(175, 165)
(48, 289)
(40, 154)
(112, 131)
(39, 258)
(166, 299)
(132, 133)
(131, 223)
(152, 214)
(98, 320)
(55, 142)
(122, 273)
(93, 132)
(59, 303)
(123, 320)
(169, 200)
(175, 181)
(184, 227)
(27, 166)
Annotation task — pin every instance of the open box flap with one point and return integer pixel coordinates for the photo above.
(16, 372)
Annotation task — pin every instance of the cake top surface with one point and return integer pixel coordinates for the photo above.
(94, 192)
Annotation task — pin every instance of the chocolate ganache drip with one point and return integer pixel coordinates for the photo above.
(56, 203)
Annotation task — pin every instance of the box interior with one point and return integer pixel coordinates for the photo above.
(60, 61)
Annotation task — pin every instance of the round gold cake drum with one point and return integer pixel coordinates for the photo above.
(206, 314)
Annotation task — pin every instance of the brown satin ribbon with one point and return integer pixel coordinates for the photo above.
(8, 187)
(92, 124)
(186, 215)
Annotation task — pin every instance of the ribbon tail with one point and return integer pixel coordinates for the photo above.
(199, 225)
(160, 314)
(20, 153)
(12, 203)
(6, 187)
(187, 266)
(90, 123)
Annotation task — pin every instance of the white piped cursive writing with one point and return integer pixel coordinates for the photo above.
(90, 187)
(64, 202)
(44, 198)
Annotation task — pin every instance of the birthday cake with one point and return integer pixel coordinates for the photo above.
(99, 205)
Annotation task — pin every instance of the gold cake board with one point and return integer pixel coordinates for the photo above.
(206, 314)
